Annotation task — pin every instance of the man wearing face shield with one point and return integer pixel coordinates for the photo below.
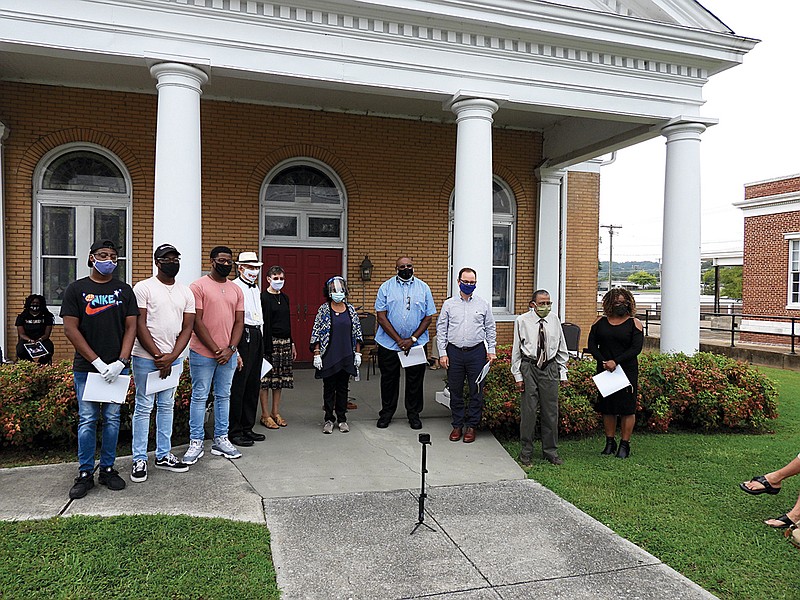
(164, 327)
(99, 314)
(247, 380)
(404, 308)
(336, 341)
(538, 362)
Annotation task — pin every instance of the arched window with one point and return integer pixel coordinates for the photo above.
(303, 202)
(82, 193)
(504, 209)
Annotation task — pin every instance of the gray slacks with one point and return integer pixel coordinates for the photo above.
(541, 391)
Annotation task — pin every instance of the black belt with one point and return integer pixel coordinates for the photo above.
(450, 345)
(252, 326)
(533, 361)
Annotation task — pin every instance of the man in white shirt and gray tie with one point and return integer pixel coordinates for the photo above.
(538, 362)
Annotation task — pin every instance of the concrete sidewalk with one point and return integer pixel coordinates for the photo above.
(340, 509)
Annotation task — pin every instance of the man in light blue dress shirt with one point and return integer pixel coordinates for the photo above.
(404, 307)
(466, 335)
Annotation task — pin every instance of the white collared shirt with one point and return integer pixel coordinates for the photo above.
(253, 315)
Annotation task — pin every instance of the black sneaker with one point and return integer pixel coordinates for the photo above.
(83, 483)
(171, 463)
(110, 478)
(139, 471)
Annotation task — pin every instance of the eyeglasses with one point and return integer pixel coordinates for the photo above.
(405, 266)
(548, 303)
(105, 256)
(223, 261)
(169, 261)
(465, 282)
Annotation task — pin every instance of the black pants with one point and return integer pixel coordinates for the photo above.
(22, 353)
(389, 363)
(246, 383)
(465, 364)
(334, 395)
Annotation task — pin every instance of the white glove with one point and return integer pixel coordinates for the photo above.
(113, 371)
(318, 362)
(98, 364)
(357, 359)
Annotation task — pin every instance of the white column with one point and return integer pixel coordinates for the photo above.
(473, 215)
(4, 131)
(177, 204)
(680, 271)
(548, 234)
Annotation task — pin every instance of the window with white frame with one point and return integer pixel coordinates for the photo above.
(82, 193)
(503, 237)
(794, 271)
(302, 202)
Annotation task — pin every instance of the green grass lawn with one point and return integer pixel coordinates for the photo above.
(155, 556)
(678, 497)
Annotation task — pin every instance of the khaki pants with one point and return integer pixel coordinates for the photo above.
(541, 391)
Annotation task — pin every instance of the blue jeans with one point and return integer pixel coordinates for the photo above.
(165, 402)
(88, 415)
(205, 372)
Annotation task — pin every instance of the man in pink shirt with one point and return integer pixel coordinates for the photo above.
(218, 326)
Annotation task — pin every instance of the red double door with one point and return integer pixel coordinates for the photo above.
(307, 270)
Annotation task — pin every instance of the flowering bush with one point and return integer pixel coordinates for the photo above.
(38, 406)
(704, 392)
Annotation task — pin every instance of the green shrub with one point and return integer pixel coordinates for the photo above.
(38, 407)
(705, 392)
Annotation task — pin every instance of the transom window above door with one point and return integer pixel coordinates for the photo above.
(302, 202)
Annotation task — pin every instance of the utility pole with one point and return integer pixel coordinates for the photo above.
(611, 229)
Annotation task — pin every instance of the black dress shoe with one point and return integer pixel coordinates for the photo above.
(415, 424)
(624, 450)
(256, 437)
(611, 446)
(382, 424)
(240, 440)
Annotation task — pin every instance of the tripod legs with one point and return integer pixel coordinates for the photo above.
(422, 494)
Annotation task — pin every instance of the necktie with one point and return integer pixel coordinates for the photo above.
(541, 350)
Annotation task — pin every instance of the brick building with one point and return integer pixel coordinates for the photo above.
(771, 271)
(321, 133)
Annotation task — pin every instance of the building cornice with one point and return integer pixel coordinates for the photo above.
(770, 205)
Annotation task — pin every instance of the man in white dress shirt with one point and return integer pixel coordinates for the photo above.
(538, 362)
(246, 383)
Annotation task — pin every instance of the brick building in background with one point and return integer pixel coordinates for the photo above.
(771, 272)
(456, 134)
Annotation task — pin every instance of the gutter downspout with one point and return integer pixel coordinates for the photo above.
(4, 131)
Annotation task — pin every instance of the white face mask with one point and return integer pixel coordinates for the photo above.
(276, 284)
(250, 275)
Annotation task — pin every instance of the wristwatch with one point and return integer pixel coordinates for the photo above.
(413, 339)
(126, 362)
(233, 348)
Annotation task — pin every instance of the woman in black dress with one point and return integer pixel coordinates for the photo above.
(279, 349)
(34, 324)
(616, 340)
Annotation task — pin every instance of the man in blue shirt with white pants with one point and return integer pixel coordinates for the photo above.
(404, 307)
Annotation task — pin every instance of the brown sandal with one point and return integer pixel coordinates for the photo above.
(279, 420)
(269, 423)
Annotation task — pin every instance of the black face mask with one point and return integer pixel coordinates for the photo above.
(35, 309)
(170, 269)
(405, 274)
(620, 310)
(223, 270)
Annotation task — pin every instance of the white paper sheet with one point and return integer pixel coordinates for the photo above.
(416, 356)
(609, 382)
(484, 372)
(443, 397)
(155, 384)
(97, 390)
(265, 367)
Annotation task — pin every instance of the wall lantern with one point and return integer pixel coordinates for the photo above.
(366, 269)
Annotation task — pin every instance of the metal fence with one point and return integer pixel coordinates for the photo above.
(728, 327)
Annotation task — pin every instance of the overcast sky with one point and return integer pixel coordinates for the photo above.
(756, 138)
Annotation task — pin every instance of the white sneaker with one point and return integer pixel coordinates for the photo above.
(344, 427)
(223, 447)
(328, 427)
(139, 471)
(194, 453)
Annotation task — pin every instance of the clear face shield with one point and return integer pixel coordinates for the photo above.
(337, 288)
